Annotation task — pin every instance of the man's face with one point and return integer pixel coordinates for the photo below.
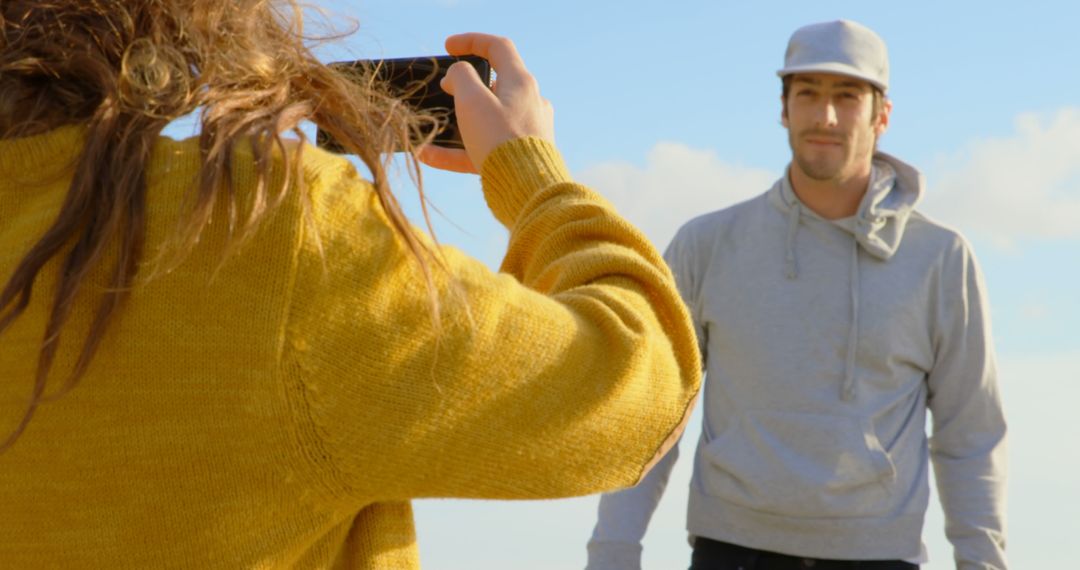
(831, 127)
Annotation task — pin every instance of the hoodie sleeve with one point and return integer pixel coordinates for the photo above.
(623, 516)
(688, 261)
(968, 441)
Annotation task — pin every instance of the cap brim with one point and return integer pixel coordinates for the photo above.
(834, 68)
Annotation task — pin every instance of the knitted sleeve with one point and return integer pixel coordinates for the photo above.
(623, 517)
(569, 372)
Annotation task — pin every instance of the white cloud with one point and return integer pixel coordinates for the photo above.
(676, 184)
(1035, 311)
(1012, 188)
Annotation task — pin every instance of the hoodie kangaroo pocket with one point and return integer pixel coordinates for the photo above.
(800, 465)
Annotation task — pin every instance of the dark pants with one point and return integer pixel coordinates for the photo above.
(715, 555)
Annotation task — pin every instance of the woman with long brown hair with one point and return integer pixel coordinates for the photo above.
(233, 351)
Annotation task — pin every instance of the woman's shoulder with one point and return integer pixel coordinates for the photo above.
(317, 164)
(309, 198)
(298, 167)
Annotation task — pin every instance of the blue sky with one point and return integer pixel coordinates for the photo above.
(671, 109)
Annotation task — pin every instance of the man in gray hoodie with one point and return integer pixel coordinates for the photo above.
(831, 315)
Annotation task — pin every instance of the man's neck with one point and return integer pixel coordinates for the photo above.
(830, 199)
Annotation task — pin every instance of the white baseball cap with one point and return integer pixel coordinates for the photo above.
(842, 47)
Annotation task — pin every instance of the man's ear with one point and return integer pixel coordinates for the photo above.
(882, 124)
(783, 112)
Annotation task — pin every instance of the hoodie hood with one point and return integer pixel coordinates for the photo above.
(878, 225)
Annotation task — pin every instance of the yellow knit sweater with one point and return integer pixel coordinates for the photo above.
(282, 412)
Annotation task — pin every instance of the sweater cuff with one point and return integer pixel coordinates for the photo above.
(614, 556)
(515, 171)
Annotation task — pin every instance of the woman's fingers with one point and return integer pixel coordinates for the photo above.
(452, 159)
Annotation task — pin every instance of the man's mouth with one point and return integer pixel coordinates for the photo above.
(823, 140)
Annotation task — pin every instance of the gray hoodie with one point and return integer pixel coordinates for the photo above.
(824, 343)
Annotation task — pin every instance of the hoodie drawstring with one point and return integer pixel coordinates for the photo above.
(847, 392)
(876, 229)
(791, 263)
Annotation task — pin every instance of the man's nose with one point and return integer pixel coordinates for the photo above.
(826, 114)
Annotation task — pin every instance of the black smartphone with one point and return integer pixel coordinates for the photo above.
(416, 81)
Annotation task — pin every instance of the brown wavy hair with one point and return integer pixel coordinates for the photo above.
(127, 68)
